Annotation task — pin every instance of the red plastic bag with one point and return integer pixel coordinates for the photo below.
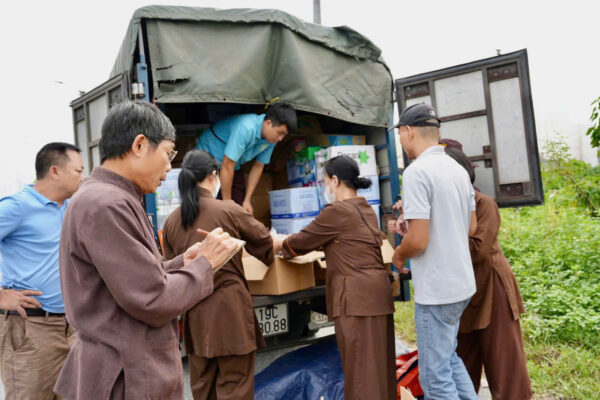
(407, 373)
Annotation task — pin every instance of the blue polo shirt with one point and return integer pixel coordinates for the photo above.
(238, 138)
(30, 227)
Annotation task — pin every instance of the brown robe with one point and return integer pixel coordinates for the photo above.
(487, 258)
(358, 295)
(490, 333)
(121, 297)
(224, 324)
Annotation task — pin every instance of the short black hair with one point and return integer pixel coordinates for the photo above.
(52, 154)
(463, 160)
(128, 119)
(283, 114)
(347, 171)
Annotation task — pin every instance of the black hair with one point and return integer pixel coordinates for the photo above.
(128, 119)
(281, 113)
(196, 166)
(347, 171)
(52, 154)
(463, 160)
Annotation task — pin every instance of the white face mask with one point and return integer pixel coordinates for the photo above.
(329, 197)
(217, 187)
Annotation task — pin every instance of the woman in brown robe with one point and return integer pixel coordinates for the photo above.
(490, 333)
(221, 334)
(358, 291)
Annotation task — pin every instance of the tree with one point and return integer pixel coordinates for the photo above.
(594, 131)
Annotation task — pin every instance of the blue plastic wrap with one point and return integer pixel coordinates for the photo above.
(304, 374)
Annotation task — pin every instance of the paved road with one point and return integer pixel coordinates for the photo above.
(264, 359)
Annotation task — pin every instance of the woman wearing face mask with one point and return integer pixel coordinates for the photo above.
(358, 292)
(221, 334)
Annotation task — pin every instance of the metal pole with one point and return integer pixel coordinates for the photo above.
(141, 45)
(317, 11)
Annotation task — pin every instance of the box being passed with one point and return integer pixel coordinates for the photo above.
(288, 226)
(294, 203)
(281, 277)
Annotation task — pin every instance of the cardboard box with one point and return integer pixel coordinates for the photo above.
(371, 194)
(288, 226)
(387, 252)
(167, 197)
(307, 154)
(376, 208)
(363, 155)
(336, 140)
(281, 277)
(305, 172)
(303, 167)
(405, 394)
(294, 203)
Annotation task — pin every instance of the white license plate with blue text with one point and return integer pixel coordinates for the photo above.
(273, 319)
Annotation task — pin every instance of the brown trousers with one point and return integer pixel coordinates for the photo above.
(238, 187)
(367, 349)
(222, 378)
(499, 349)
(33, 351)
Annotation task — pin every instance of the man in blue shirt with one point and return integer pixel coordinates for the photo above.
(237, 140)
(32, 353)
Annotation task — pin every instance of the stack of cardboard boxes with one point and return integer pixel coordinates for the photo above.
(306, 168)
(302, 169)
(365, 158)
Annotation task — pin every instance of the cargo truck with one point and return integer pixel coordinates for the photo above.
(200, 65)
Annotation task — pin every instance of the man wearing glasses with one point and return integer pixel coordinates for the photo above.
(237, 140)
(120, 296)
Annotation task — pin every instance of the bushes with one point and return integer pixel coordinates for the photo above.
(554, 250)
(555, 256)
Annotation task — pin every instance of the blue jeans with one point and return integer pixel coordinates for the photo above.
(442, 374)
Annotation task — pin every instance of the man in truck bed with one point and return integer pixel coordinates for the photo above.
(237, 140)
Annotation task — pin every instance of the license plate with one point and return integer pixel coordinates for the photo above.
(273, 319)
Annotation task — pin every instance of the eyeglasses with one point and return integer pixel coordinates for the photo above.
(172, 155)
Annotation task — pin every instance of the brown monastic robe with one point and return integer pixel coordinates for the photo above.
(490, 333)
(121, 297)
(224, 324)
(358, 295)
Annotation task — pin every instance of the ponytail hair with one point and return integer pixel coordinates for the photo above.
(196, 166)
(347, 171)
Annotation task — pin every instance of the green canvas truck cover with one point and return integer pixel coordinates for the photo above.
(252, 56)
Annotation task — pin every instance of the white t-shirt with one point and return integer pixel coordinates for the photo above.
(437, 188)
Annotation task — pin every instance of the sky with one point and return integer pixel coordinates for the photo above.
(51, 50)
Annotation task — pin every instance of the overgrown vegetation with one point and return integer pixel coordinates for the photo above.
(554, 250)
(594, 131)
(555, 253)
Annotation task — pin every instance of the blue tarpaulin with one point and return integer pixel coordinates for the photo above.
(309, 373)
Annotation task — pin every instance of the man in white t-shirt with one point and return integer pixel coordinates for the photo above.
(439, 205)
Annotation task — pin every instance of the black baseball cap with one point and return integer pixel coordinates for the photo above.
(417, 115)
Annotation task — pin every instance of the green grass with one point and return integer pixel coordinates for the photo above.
(404, 322)
(557, 371)
(563, 371)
